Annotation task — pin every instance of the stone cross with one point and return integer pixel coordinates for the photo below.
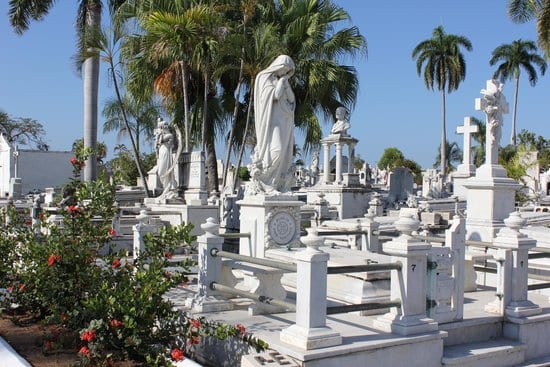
(494, 104)
(467, 129)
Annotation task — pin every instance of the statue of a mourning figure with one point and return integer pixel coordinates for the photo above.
(274, 104)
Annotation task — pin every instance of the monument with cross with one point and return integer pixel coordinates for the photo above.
(490, 194)
(467, 169)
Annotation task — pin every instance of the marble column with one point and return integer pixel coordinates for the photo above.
(338, 178)
(326, 163)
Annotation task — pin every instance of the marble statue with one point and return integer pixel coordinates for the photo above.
(342, 124)
(274, 103)
(494, 104)
(164, 144)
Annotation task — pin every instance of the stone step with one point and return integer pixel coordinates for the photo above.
(472, 330)
(492, 353)
(268, 358)
(537, 362)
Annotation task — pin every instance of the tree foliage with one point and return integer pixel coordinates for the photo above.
(391, 158)
(23, 131)
(513, 58)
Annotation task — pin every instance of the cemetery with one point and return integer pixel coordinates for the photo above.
(275, 262)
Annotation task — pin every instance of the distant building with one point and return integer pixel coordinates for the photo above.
(37, 169)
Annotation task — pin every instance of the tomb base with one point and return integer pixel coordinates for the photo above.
(310, 338)
(351, 202)
(272, 221)
(490, 200)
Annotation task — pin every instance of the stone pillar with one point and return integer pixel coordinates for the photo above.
(326, 163)
(140, 229)
(310, 330)
(369, 240)
(503, 259)
(272, 221)
(338, 178)
(408, 284)
(509, 238)
(210, 270)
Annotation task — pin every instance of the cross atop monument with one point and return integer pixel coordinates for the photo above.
(467, 129)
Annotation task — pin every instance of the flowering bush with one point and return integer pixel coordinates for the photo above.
(108, 307)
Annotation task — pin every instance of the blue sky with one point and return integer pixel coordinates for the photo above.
(38, 79)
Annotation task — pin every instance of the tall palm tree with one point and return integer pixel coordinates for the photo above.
(107, 43)
(445, 67)
(522, 11)
(513, 57)
(22, 12)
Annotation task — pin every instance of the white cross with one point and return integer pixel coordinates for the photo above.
(467, 129)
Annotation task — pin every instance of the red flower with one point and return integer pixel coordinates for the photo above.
(168, 254)
(41, 216)
(74, 161)
(88, 335)
(73, 209)
(53, 259)
(22, 287)
(10, 289)
(64, 316)
(115, 323)
(48, 345)
(196, 323)
(112, 232)
(195, 340)
(84, 351)
(241, 328)
(116, 263)
(177, 354)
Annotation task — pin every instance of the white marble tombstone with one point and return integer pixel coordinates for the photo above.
(491, 194)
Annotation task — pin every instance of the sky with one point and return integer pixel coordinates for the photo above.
(394, 109)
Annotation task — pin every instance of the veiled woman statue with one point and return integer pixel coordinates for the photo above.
(274, 105)
(165, 161)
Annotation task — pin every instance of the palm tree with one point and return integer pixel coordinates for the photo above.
(522, 11)
(318, 44)
(513, 57)
(444, 65)
(21, 12)
(453, 154)
(107, 44)
(142, 118)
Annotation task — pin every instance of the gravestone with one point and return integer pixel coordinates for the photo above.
(195, 193)
(467, 168)
(491, 194)
(401, 184)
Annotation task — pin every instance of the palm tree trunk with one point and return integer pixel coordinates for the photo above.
(212, 163)
(513, 138)
(205, 111)
(185, 105)
(241, 151)
(443, 136)
(90, 107)
(233, 125)
(130, 134)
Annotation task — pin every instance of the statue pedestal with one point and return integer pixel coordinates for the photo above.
(490, 200)
(463, 173)
(272, 221)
